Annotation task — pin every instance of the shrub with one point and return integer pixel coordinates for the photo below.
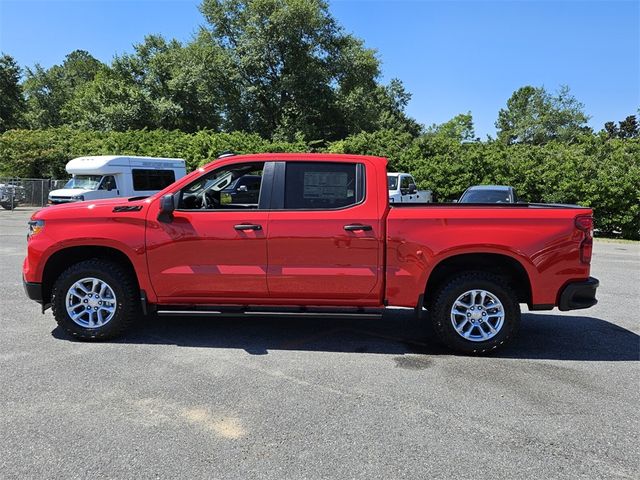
(594, 171)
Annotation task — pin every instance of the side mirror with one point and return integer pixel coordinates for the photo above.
(412, 188)
(455, 201)
(167, 206)
(242, 188)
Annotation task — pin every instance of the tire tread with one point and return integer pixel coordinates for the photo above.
(440, 317)
(129, 305)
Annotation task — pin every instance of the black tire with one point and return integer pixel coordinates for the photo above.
(121, 282)
(8, 206)
(456, 286)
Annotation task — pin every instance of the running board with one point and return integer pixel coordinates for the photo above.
(260, 313)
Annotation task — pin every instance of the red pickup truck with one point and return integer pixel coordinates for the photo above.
(316, 235)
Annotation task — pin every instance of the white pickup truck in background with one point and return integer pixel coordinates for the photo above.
(107, 176)
(402, 189)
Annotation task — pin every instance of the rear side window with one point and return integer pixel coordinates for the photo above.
(320, 185)
(144, 179)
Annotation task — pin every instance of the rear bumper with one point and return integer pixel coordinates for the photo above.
(33, 290)
(577, 295)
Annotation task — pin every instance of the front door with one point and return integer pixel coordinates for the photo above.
(212, 248)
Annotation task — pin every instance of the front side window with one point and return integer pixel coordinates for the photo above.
(404, 183)
(108, 183)
(147, 179)
(228, 188)
(322, 185)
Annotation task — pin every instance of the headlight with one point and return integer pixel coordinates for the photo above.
(78, 198)
(35, 227)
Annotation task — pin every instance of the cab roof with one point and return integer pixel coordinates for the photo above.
(316, 157)
(294, 157)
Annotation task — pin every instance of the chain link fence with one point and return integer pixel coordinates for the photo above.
(26, 192)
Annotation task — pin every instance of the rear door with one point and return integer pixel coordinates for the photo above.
(325, 234)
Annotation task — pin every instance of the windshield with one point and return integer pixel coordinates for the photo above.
(486, 196)
(392, 182)
(85, 182)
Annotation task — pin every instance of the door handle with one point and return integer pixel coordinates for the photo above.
(357, 227)
(247, 226)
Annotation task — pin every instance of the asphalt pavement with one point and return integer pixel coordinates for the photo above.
(296, 398)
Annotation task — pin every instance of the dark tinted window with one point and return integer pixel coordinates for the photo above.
(486, 196)
(152, 179)
(320, 185)
(392, 182)
(404, 183)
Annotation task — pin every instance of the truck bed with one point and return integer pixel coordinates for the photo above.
(541, 238)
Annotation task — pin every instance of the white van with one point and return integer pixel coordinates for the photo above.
(402, 189)
(107, 176)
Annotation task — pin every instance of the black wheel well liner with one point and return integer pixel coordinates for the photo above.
(498, 264)
(64, 258)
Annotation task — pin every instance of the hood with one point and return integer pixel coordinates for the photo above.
(69, 192)
(88, 208)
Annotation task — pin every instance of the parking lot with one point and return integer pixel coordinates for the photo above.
(300, 398)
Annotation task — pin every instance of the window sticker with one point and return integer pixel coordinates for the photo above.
(325, 185)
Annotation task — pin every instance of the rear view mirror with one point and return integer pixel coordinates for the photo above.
(167, 206)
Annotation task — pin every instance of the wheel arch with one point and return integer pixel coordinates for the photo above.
(60, 260)
(496, 263)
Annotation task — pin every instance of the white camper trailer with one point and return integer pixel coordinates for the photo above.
(109, 176)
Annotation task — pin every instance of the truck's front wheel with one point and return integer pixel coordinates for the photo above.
(94, 300)
(476, 313)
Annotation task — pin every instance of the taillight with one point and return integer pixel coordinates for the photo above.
(584, 223)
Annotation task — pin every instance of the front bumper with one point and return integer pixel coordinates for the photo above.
(33, 290)
(578, 295)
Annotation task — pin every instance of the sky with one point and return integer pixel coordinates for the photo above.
(453, 56)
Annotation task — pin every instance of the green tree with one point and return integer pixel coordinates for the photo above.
(460, 128)
(534, 116)
(611, 130)
(109, 102)
(12, 103)
(48, 90)
(297, 72)
(629, 127)
(185, 85)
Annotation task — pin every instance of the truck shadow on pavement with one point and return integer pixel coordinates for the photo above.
(542, 336)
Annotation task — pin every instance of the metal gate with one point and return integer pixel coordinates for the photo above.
(29, 192)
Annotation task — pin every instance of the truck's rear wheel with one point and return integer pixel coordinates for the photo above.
(95, 300)
(476, 313)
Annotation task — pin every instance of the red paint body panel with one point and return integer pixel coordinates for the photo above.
(543, 240)
(312, 258)
(306, 257)
(200, 254)
(89, 224)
